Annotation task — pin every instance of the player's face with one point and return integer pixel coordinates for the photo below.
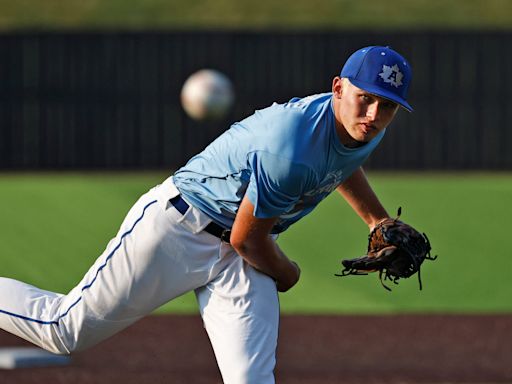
(360, 115)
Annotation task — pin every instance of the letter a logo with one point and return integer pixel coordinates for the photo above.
(391, 75)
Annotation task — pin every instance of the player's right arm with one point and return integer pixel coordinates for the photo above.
(357, 191)
(250, 237)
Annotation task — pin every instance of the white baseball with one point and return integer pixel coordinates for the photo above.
(207, 95)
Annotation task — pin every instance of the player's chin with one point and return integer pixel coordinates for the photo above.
(367, 136)
(362, 138)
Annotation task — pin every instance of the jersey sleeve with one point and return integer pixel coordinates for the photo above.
(276, 184)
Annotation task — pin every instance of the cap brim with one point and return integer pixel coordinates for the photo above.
(374, 90)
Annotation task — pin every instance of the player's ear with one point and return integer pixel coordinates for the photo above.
(337, 87)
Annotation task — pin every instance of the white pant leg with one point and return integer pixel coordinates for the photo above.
(240, 310)
(157, 255)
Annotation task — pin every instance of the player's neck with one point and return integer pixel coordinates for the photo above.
(345, 139)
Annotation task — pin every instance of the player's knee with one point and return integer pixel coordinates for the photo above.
(63, 344)
(71, 346)
(57, 347)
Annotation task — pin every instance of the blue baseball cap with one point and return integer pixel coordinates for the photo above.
(380, 71)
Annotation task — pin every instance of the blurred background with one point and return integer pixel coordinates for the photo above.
(90, 118)
(95, 84)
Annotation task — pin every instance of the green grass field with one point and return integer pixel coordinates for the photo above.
(248, 14)
(55, 225)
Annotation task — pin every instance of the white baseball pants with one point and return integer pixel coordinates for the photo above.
(158, 254)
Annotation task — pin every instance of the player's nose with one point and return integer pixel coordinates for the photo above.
(372, 111)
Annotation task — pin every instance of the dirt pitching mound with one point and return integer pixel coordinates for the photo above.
(312, 350)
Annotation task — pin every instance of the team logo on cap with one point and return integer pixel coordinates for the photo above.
(392, 75)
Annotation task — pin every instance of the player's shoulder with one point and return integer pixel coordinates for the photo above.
(295, 112)
(286, 129)
(297, 105)
(297, 108)
(304, 104)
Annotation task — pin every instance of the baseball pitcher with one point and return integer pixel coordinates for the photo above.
(212, 226)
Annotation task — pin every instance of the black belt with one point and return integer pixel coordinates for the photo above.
(212, 228)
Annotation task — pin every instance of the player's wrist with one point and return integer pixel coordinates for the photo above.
(376, 221)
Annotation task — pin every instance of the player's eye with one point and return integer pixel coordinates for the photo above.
(365, 98)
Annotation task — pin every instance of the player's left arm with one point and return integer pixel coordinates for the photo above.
(251, 239)
(356, 190)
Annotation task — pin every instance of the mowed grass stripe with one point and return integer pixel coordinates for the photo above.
(55, 225)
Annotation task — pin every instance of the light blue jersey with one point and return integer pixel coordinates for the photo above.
(286, 158)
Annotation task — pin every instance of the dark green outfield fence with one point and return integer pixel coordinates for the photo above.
(111, 100)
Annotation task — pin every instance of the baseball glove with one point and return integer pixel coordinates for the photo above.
(395, 249)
